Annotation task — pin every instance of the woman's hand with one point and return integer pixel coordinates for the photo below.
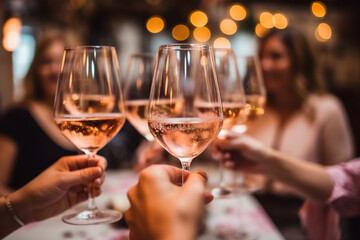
(59, 187)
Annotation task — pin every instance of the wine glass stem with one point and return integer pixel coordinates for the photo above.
(90, 188)
(185, 167)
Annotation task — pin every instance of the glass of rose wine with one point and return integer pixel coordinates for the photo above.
(89, 111)
(233, 101)
(255, 95)
(184, 79)
(138, 81)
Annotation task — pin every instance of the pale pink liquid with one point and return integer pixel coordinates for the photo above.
(90, 133)
(185, 137)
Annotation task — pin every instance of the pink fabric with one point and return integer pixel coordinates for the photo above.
(345, 197)
(321, 221)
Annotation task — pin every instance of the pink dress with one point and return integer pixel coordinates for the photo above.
(321, 221)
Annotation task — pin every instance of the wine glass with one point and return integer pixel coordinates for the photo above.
(254, 88)
(89, 111)
(138, 81)
(233, 101)
(185, 112)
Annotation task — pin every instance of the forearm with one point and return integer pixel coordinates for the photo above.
(310, 179)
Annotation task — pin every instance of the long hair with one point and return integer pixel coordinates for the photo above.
(303, 62)
(33, 87)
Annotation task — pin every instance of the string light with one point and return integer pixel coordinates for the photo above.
(318, 9)
(323, 32)
(237, 12)
(228, 27)
(260, 30)
(180, 32)
(198, 18)
(266, 19)
(222, 42)
(280, 21)
(202, 34)
(11, 34)
(155, 24)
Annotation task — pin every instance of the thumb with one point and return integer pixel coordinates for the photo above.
(195, 184)
(82, 176)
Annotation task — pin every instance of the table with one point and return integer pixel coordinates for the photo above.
(223, 217)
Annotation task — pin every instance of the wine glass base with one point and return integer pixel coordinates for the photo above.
(91, 217)
(222, 192)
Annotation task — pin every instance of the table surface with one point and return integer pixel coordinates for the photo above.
(231, 218)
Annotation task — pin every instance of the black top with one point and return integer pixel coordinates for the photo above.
(36, 151)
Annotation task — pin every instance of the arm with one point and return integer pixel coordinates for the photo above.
(161, 209)
(56, 189)
(8, 152)
(243, 152)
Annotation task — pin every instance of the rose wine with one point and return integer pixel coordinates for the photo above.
(91, 103)
(136, 112)
(90, 133)
(254, 107)
(185, 137)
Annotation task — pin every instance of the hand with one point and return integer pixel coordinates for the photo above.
(242, 152)
(160, 209)
(148, 153)
(59, 187)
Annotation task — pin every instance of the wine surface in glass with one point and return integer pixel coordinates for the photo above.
(185, 137)
(254, 107)
(88, 132)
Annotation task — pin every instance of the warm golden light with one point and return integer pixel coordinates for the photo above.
(153, 2)
(237, 12)
(222, 42)
(198, 18)
(323, 32)
(260, 30)
(318, 9)
(202, 34)
(155, 24)
(280, 21)
(180, 32)
(11, 34)
(228, 27)
(266, 19)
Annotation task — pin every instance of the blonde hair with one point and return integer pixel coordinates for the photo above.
(33, 87)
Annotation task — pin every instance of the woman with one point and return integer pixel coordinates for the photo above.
(301, 119)
(29, 139)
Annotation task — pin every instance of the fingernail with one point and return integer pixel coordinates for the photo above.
(99, 170)
(202, 173)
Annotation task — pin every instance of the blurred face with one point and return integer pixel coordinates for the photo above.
(49, 68)
(276, 65)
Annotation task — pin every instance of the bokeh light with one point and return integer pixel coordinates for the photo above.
(237, 12)
(180, 32)
(11, 34)
(260, 30)
(222, 42)
(228, 26)
(198, 18)
(202, 34)
(266, 19)
(155, 24)
(323, 32)
(318, 9)
(280, 21)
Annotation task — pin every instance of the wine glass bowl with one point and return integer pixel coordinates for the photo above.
(185, 112)
(138, 81)
(89, 111)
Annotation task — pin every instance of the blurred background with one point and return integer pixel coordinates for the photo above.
(142, 25)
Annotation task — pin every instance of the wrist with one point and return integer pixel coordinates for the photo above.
(21, 206)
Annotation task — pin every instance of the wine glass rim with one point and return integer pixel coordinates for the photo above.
(93, 47)
(185, 46)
